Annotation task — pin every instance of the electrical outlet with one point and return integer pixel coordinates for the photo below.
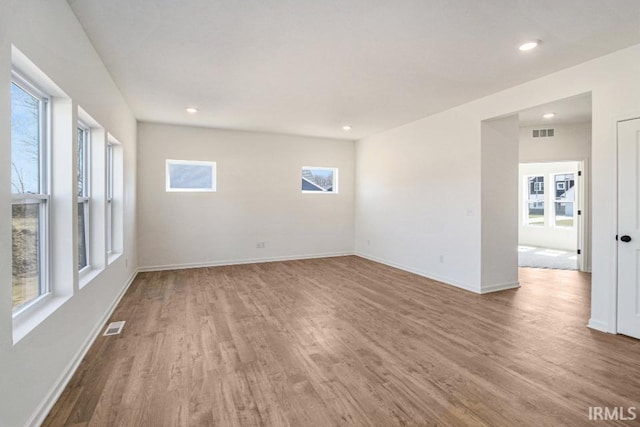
(260, 245)
(442, 259)
(368, 242)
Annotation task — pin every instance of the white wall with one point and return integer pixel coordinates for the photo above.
(499, 157)
(33, 369)
(258, 198)
(547, 235)
(570, 142)
(418, 185)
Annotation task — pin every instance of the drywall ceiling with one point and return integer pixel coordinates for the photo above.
(309, 67)
(576, 109)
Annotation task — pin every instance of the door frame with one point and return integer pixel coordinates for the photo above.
(614, 303)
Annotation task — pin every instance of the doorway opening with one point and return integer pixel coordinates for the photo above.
(554, 185)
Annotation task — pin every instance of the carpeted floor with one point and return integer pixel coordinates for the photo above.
(530, 256)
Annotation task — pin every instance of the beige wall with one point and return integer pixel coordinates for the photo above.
(258, 198)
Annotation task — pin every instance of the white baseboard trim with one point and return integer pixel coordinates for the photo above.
(499, 287)
(443, 280)
(598, 325)
(241, 261)
(54, 394)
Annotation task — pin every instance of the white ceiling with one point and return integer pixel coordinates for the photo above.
(576, 109)
(310, 66)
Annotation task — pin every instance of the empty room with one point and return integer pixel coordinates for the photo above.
(319, 213)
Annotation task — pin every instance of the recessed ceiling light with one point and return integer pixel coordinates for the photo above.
(191, 110)
(346, 127)
(549, 115)
(532, 44)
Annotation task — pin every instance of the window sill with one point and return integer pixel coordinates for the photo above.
(27, 320)
(112, 257)
(319, 192)
(87, 276)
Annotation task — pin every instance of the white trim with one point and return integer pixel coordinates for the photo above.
(499, 287)
(241, 261)
(598, 325)
(443, 280)
(54, 393)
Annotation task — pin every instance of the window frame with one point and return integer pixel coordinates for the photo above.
(556, 200)
(214, 178)
(537, 186)
(109, 199)
(335, 186)
(43, 198)
(85, 198)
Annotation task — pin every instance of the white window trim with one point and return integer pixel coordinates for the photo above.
(214, 172)
(43, 198)
(335, 179)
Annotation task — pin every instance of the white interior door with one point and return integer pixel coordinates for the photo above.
(629, 228)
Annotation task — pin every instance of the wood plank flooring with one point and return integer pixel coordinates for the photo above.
(345, 341)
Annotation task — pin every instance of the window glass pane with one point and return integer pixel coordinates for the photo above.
(82, 238)
(25, 239)
(25, 141)
(109, 172)
(565, 187)
(109, 219)
(536, 188)
(565, 195)
(535, 213)
(535, 203)
(191, 176)
(318, 179)
(564, 214)
(81, 161)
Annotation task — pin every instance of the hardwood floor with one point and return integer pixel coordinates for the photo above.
(345, 341)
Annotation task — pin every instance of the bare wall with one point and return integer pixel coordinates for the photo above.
(33, 370)
(258, 198)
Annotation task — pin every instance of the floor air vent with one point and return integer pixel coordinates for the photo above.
(114, 328)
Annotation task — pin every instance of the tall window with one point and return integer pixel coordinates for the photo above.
(83, 196)
(109, 198)
(535, 201)
(30, 192)
(565, 196)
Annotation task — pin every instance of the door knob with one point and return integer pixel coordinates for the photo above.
(625, 238)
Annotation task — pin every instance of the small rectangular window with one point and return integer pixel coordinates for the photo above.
(188, 175)
(535, 201)
(84, 199)
(319, 179)
(30, 192)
